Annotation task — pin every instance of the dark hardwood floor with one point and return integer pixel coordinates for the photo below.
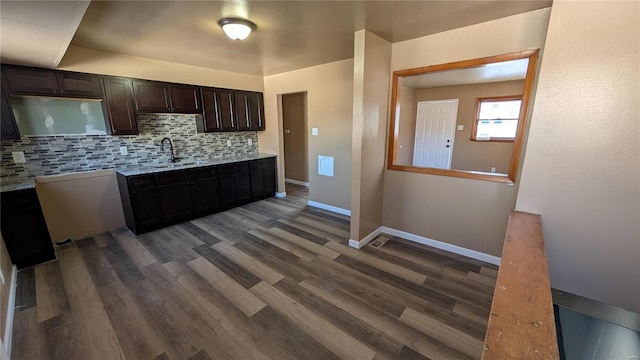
(269, 280)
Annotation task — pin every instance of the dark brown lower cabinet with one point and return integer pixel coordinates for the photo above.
(24, 229)
(263, 178)
(140, 202)
(205, 196)
(151, 201)
(235, 184)
(175, 202)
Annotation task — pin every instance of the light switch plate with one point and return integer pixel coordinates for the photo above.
(18, 157)
(460, 127)
(123, 150)
(250, 142)
(314, 131)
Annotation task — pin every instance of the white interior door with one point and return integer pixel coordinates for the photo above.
(435, 132)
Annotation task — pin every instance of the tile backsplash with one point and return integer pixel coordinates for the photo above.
(49, 155)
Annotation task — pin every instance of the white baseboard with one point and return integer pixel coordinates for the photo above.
(281, 194)
(8, 330)
(360, 244)
(296, 182)
(329, 208)
(441, 245)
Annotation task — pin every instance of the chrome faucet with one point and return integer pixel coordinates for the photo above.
(173, 157)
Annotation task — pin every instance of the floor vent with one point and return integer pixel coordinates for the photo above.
(379, 241)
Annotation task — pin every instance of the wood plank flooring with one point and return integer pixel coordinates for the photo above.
(269, 280)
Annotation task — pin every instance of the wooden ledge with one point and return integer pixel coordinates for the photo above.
(522, 325)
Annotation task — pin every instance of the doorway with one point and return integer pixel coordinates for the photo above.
(296, 153)
(435, 132)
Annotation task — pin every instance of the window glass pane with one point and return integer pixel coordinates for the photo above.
(51, 116)
(496, 129)
(509, 109)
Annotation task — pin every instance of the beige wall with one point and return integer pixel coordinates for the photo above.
(467, 154)
(103, 62)
(463, 212)
(407, 126)
(329, 90)
(295, 140)
(372, 58)
(582, 166)
(7, 267)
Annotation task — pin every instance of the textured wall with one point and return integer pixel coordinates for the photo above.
(329, 90)
(372, 58)
(582, 166)
(48, 155)
(475, 155)
(463, 212)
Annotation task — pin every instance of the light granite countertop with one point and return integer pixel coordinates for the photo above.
(14, 184)
(188, 164)
(17, 184)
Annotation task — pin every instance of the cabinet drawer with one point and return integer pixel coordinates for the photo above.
(140, 182)
(262, 163)
(186, 175)
(234, 168)
(25, 197)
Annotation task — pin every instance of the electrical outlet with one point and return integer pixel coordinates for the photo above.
(18, 157)
(228, 142)
(2, 277)
(493, 169)
(250, 142)
(123, 150)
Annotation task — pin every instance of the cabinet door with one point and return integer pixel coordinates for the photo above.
(185, 99)
(31, 81)
(118, 103)
(175, 202)
(8, 127)
(227, 189)
(257, 183)
(146, 209)
(24, 229)
(249, 110)
(75, 84)
(243, 186)
(218, 110)
(205, 196)
(270, 180)
(151, 96)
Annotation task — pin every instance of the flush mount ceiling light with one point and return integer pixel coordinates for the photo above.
(235, 28)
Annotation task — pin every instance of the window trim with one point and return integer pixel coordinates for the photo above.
(474, 128)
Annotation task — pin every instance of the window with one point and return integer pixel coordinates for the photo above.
(496, 118)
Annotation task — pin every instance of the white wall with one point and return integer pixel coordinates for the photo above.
(582, 165)
(329, 90)
(469, 213)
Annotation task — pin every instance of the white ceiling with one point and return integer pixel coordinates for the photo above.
(38, 32)
(290, 34)
(501, 71)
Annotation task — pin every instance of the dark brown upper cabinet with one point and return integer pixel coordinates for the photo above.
(151, 96)
(249, 110)
(76, 84)
(218, 114)
(34, 81)
(118, 105)
(8, 128)
(185, 99)
(154, 96)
